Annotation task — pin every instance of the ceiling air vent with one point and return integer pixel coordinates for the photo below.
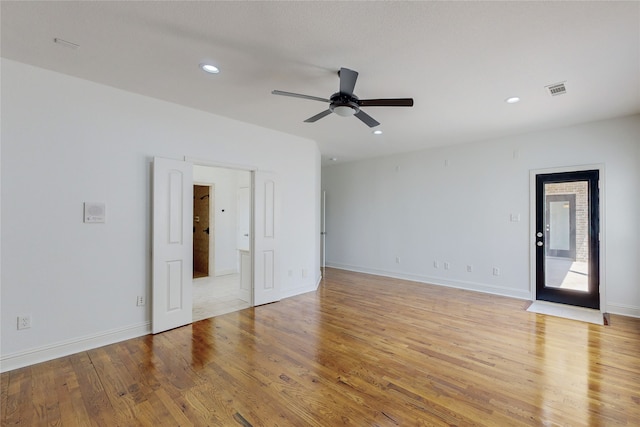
(557, 89)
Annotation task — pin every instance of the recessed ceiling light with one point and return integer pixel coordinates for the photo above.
(512, 100)
(377, 132)
(211, 69)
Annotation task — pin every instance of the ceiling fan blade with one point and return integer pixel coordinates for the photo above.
(393, 102)
(347, 80)
(297, 95)
(367, 119)
(318, 116)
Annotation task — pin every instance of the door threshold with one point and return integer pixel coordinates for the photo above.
(572, 312)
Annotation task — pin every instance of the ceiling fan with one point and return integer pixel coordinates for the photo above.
(345, 103)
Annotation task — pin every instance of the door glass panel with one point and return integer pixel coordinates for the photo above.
(567, 235)
(559, 222)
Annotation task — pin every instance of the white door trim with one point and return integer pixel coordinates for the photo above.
(214, 164)
(532, 225)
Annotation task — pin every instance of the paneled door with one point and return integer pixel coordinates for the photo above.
(568, 238)
(172, 244)
(266, 262)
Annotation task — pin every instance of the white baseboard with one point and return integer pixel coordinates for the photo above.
(226, 272)
(623, 309)
(301, 289)
(459, 284)
(32, 356)
(297, 291)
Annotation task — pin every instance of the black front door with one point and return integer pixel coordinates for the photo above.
(568, 238)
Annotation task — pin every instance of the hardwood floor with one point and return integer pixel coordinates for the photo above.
(361, 351)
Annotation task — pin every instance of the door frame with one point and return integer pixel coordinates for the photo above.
(532, 225)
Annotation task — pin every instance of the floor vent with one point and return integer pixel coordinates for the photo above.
(557, 89)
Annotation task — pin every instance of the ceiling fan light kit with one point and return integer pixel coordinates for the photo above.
(344, 103)
(344, 110)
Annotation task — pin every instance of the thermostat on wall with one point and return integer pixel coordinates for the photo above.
(94, 212)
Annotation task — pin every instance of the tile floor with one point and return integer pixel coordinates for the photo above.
(214, 296)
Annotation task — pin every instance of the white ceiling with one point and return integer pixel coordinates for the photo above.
(458, 60)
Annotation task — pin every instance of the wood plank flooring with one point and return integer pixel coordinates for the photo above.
(361, 351)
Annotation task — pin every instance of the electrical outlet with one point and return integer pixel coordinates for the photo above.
(447, 266)
(397, 260)
(469, 268)
(496, 271)
(304, 272)
(140, 301)
(436, 264)
(24, 322)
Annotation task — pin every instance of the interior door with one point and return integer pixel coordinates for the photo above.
(568, 238)
(244, 218)
(323, 229)
(172, 244)
(266, 208)
(244, 243)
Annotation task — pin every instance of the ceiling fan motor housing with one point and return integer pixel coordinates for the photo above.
(344, 100)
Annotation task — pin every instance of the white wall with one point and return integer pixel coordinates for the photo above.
(454, 203)
(66, 141)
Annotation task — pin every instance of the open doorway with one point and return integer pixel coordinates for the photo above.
(202, 202)
(258, 268)
(221, 224)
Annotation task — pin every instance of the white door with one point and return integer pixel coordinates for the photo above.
(172, 244)
(244, 218)
(245, 277)
(323, 229)
(266, 210)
